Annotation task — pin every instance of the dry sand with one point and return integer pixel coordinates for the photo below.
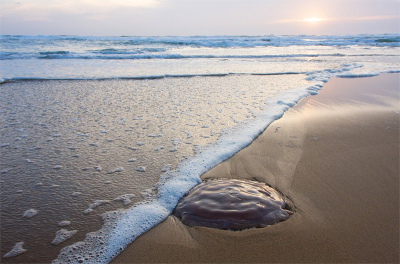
(336, 156)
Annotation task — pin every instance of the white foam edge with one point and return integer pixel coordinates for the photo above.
(4, 79)
(221, 74)
(17, 250)
(362, 75)
(122, 227)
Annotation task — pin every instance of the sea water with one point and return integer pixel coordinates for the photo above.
(101, 136)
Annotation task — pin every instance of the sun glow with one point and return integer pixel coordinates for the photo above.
(313, 19)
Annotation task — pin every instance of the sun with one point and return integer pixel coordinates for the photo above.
(313, 19)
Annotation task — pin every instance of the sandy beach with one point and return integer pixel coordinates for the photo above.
(335, 155)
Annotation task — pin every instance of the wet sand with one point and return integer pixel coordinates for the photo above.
(335, 155)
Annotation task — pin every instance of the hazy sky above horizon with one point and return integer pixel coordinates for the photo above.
(198, 17)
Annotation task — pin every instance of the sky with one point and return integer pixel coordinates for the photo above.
(198, 17)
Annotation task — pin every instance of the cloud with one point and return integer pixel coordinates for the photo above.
(34, 10)
(336, 19)
(368, 18)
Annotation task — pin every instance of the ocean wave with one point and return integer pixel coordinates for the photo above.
(151, 77)
(53, 54)
(115, 51)
(147, 77)
(219, 41)
(388, 40)
(131, 47)
(61, 52)
(117, 54)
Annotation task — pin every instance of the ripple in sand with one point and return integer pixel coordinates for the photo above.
(232, 204)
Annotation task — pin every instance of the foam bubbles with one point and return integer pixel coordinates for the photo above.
(75, 194)
(96, 203)
(119, 169)
(62, 235)
(141, 169)
(126, 198)
(166, 168)
(4, 171)
(17, 250)
(30, 213)
(175, 143)
(153, 135)
(64, 223)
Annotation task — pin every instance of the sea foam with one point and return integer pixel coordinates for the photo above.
(63, 235)
(17, 250)
(123, 226)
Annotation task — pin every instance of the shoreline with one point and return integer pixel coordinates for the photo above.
(335, 155)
